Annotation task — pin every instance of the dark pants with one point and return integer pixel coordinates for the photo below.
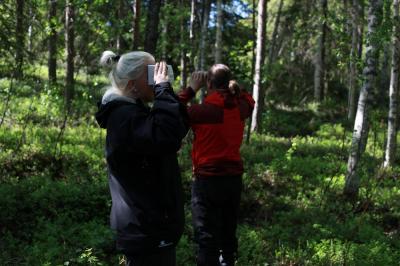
(162, 258)
(215, 206)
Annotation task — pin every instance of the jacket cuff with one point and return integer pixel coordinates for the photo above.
(190, 92)
(161, 87)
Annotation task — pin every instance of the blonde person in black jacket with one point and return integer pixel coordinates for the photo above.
(141, 151)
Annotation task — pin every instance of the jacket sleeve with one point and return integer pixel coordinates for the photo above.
(186, 95)
(246, 105)
(159, 131)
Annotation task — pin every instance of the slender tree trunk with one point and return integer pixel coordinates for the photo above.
(183, 47)
(361, 12)
(203, 38)
(254, 35)
(271, 54)
(164, 32)
(69, 46)
(361, 125)
(384, 75)
(393, 91)
(183, 69)
(30, 29)
(136, 4)
(192, 18)
(253, 60)
(272, 49)
(353, 61)
(153, 19)
(191, 33)
(261, 30)
(52, 61)
(319, 72)
(218, 37)
(120, 15)
(20, 38)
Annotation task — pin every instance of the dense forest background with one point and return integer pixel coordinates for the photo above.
(321, 183)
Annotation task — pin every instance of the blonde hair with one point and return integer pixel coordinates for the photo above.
(129, 66)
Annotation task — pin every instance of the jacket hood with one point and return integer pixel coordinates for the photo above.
(109, 102)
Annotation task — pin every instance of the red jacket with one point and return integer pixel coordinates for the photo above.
(218, 126)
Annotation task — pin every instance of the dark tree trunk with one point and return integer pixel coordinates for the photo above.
(183, 38)
(253, 61)
(272, 49)
(319, 73)
(121, 14)
(69, 47)
(353, 60)
(218, 37)
(136, 23)
(192, 26)
(203, 39)
(153, 19)
(203, 36)
(20, 38)
(52, 62)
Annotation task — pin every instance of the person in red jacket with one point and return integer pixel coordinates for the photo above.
(218, 125)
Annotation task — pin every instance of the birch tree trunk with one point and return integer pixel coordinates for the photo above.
(353, 61)
(136, 4)
(361, 125)
(20, 38)
(393, 90)
(52, 45)
(260, 51)
(319, 72)
(218, 37)
(153, 19)
(69, 47)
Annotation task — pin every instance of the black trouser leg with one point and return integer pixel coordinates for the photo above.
(206, 223)
(215, 204)
(162, 258)
(230, 212)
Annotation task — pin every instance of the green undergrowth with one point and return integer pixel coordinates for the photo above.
(55, 202)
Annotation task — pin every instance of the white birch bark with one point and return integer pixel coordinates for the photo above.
(260, 50)
(393, 90)
(361, 126)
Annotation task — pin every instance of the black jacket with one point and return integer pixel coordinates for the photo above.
(144, 176)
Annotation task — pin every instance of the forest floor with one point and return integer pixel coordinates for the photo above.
(54, 199)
